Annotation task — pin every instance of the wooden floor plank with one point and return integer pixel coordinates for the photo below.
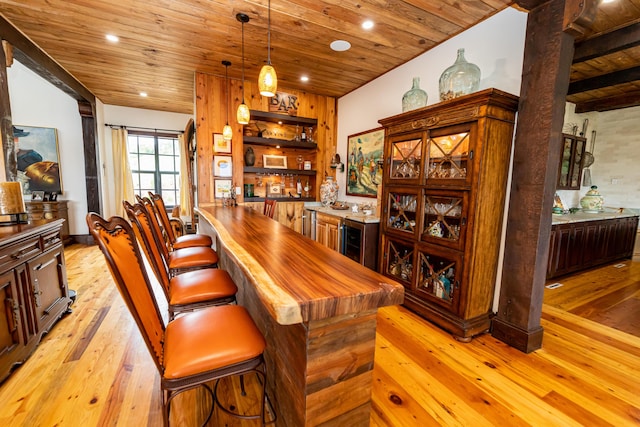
(93, 368)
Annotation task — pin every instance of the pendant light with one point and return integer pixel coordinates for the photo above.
(227, 132)
(267, 80)
(243, 115)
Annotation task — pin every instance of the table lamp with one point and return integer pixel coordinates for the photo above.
(11, 200)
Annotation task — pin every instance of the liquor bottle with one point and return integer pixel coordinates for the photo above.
(299, 187)
(303, 135)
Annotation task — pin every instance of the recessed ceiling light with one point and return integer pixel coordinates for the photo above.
(340, 45)
(608, 1)
(304, 78)
(367, 25)
(143, 94)
(112, 38)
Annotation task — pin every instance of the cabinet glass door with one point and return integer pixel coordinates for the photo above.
(439, 275)
(449, 157)
(445, 219)
(406, 157)
(401, 208)
(571, 162)
(398, 260)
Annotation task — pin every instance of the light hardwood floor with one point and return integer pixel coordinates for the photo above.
(93, 369)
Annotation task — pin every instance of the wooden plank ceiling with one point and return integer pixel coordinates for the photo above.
(163, 42)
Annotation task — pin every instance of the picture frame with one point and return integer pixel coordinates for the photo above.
(365, 152)
(220, 145)
(46, 197)
(272, 161)
(37, 196)
(53, 197)
(223, 166)
(222, 188)
(38, 159)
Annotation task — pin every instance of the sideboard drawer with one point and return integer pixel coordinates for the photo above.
(16, 253)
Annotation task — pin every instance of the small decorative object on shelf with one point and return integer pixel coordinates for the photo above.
(414, 97)
(461, 78)
(249, 157)
(592, 201)
(328, 191)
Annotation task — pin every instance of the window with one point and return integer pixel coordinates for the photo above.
(154, 159)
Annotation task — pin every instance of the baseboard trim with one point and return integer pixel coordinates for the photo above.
(523, 340)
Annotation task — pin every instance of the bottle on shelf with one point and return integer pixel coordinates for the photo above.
(299, 187)
(303, 135)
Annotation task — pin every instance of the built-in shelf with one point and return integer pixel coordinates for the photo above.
(283, 143)
(284, 119)
(251, 169)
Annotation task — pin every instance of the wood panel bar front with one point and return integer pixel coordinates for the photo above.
(316, 308)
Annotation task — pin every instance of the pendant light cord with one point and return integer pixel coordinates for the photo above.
(269, 33)
(226, 80)
(243, 62)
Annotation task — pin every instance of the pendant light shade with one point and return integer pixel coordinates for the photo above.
(227, 132)
(268, 80)
(243, 115)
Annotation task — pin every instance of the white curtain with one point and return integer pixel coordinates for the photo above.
(185, 184)
(121, 170)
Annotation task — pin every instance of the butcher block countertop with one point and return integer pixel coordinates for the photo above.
(297, 279)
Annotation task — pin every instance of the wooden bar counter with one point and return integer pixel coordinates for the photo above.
(316, 308)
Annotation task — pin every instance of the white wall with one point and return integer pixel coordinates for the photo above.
(616, 169)
(36, 102)
(130, 117)
(495, 45)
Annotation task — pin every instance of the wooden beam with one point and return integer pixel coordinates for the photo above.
(579, 16)
(605, 80)
(30, 55)
(615, 41)
(629, 99)
(537, 150)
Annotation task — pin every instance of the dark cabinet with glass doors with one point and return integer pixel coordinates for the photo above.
(571, 162)
(443, 200)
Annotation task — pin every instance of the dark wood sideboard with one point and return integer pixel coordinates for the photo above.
(50, 210)
(33, 287)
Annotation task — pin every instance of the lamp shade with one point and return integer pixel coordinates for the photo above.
(11, 200)
(227, 133)
(243, 115)
(268, 81)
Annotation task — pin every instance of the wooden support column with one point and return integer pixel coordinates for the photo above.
(91, 166)
(8, 166)
(545, 79)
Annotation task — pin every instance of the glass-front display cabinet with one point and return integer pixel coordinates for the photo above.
(443, 201)
(571, 161)
(406, 158)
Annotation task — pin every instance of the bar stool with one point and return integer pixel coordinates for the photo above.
(187, 291)
(269, 207)
(178, 261)
(193, 349)
(176, 242)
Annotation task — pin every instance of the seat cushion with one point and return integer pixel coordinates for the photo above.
(209, 339)
(200, 286)
(192, 240)
(192, 258)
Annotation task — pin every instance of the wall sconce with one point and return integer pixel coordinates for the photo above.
(336, 163)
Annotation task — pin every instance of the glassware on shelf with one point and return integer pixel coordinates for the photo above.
(459, 79)
(300, 161)
(415, 97)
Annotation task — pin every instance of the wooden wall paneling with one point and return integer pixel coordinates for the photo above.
(210, 118)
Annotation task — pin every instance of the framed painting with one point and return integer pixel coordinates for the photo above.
(365, 151)
(38, 159)
(220, 145)
(222, 188)
(222, 166)
(272, 161)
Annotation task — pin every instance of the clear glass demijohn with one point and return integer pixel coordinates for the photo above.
(459, 79)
